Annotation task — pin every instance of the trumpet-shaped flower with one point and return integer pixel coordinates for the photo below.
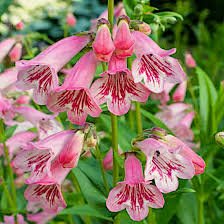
(117, 88)
(154, 65)
(16, 52)
(74, 95)
(5, 46)
(14, 220)
(37, 157)
(167, 160)
(40, 73)
(134, 194)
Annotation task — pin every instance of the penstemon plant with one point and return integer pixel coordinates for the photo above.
(82, 172)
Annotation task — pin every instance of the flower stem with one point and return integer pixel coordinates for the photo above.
(99, 157)
(200, 211)
(114, 126)
(7, 158)
(110, 7)
(138, 118)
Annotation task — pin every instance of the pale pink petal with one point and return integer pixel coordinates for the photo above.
(138, 214)
(180, 92)
(7, 78)
(49, 197)
(144, 44)
(16, 53)
(5, 47)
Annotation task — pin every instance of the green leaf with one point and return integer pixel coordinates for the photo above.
(4, 4)
(9, 131)
(155, 120)
(90, 192)
(87, 210)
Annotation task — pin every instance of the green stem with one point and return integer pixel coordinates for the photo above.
(10, 173)
(114, 125)
(99, 157)
(151, 219)
(131, 119)
(110, 7)
(200, 211)
(138, 118)
(8, 196)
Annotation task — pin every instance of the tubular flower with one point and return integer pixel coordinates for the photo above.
(134, 194)
(74, 95)
(5, 46)
(180, 92)
(6, 110)
(103, 45)
(48, 196)
(123, 40)
(117, 88)
(168, 159)
(45, 123)
(154, 65)
(108, 159)
(37, 157)
(40, 73)
(16, 52)
(178, 117)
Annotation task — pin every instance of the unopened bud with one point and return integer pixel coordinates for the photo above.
(219, 138)
(158, 132)
(20, 25)
(140, 26)
(138, 10)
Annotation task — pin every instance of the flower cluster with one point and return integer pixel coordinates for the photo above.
(168, 159)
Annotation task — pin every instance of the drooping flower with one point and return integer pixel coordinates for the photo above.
(154, 64)
(117, 88)
(5, 46)
(134, 194)
(103, 45)
(165, 166)
(37, 157)
(189, 60)
(14, 220)
(178, 117)
(70, 19)
(16, 53)
(45, 123)
(123, 40)
(48, 196)
(74, 95)
(40, 73)
(18, 141)
(186, 151)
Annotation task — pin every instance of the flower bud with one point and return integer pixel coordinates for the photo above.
(103, 45)
(70, 19)
(16, 53)
(189, 60)
(140, 26)
(219, 138)
(20, 25)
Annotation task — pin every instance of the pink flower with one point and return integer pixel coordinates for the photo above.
(123, 40)
(41, 217)
(154, 65)
(16, 53)
(117, 88)
(180, 92)
(5, 46)
(167, 160)
(45, 123)
(70, 20)
(23, 99)
(134, 194)
(37, 157)
(189, 60)
(20, 25)
(48, 196)
(40, 73)
(198, 162)
(11, 219)
(6, 110)
(74, 95)
(103, 45)
(178, 117)
(7, 78)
